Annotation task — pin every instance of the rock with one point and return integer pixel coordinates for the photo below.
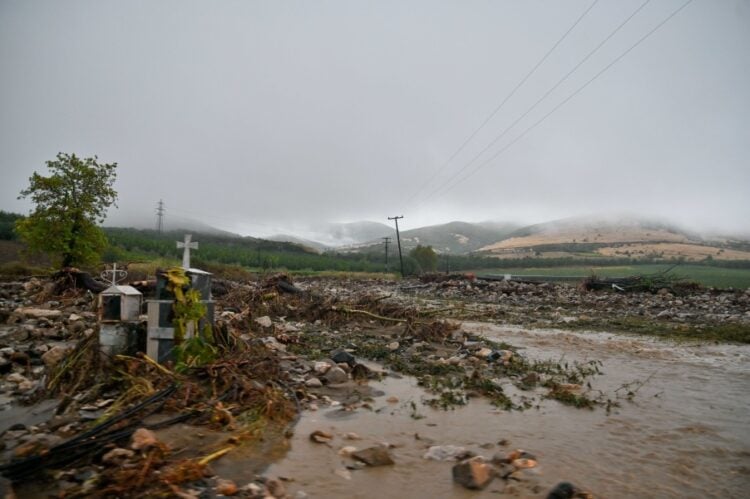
(342, 356)
(275, 488)
(117, 456)
(524, 463)
(501, 356)
(38, 313)
(54, 355)
(352, 436)
(483, 353)
(16, 378)
(321, 367)
(226, 487)
(445, 453)
(392, 400)
(313, 383)
(563, 490)
(273, 344)
(321, 437)
(336, 376)
(473, 474)
(25, 386)
(74, 317)
(264, 321)
(374, 456)
(361, 372)
(393, 346)
(143, 438)
(347, 451)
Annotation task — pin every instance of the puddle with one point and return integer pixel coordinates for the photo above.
(686, 433)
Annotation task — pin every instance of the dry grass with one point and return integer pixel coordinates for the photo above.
(572, 236)
(692, 252)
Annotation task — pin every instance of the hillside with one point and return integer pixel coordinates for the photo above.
(630, 238)
(457, 238)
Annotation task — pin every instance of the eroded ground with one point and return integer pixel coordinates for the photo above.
(405, 368)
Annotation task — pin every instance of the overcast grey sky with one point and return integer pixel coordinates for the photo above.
(258, 116)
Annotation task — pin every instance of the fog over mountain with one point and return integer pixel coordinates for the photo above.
(266, 117)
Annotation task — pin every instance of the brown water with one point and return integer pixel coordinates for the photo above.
(686, 433)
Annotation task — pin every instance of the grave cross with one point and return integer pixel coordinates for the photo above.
(188, 246)
(117, 275)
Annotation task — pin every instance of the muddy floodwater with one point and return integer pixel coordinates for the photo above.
(686, 432)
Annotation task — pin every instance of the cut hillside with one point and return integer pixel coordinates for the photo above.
(590, 238)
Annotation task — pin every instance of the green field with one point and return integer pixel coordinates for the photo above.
(708, 276)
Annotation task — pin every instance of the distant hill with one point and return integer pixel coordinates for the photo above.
(457, 238)
(307, 243)
(591, 237)
(355, 232)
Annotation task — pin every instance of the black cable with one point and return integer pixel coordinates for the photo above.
(504, 101)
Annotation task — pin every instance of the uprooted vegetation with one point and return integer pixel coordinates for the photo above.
(264, 345)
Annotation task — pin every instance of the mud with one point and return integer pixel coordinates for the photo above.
(684, 434)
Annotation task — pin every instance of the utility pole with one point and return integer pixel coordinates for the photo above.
(160, 216)
(398, 240)
(387, 241)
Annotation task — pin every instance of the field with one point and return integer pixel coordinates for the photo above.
(708, 276)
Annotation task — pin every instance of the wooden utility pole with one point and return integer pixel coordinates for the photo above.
(387, 241)
(398, 240)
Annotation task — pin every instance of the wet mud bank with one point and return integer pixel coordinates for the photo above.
(682, 433)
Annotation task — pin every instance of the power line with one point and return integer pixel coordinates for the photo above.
(569, 97)
(503, 102)
(539, 101)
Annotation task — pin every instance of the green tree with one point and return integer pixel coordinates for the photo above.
(68, 206)
(426, 257)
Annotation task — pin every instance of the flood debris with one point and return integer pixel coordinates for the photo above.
(279, 347)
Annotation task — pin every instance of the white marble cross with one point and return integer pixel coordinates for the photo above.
(188, 246)
(117, 275)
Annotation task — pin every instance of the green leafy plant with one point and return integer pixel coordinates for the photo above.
(68, 206)
(197, 349)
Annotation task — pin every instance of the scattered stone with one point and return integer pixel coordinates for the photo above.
(352, 436)
(273, 344)
(524, 463)
(321, 437)
(313, 383)
(336, 376)
(374, 456)
(143, 438)
(38, 313)
(392, 400)
(393, 346)
(275, 488)
(342, 356)
(54, 355)
(446, 453)
(563, 490)
(321, 367)
(361, 372)
(347, 451)
(483, 353)
(226, 487)
(473, 474)
(264, 321)
(117, 456)
(16, 378)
